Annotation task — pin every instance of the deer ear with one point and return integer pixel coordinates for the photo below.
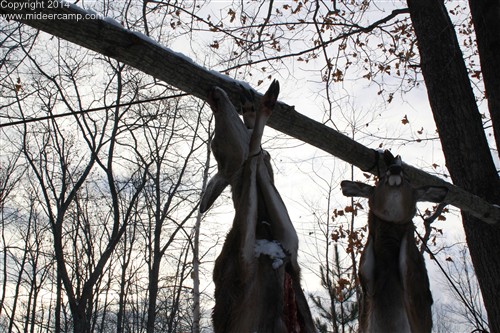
(431, 193)
(214, 188)
(356, 189)
(388, 158)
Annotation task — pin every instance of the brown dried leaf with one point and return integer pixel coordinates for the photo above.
(405, 120)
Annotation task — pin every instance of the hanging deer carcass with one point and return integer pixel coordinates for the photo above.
(256, 276)
(396, 296)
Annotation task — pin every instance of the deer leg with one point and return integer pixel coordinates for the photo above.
(267, 104)
(284, 233)
(247, 211)
(417, 294)
(367, 280)
(261, 278)
(236, 288)
(281, 225)
(367, 268)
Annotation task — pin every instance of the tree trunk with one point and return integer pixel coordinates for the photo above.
(196, 248)
(196, 276)
(58, 306)
(464, 143)
(153, 289)
(486, 18)
(80, 324)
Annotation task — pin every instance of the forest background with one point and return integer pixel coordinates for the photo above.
(99, 195)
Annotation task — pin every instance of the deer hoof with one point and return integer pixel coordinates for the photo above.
(271, 95)
(213, 98)
(247, 100)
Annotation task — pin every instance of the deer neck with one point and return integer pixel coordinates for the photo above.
(387, 238)
(381, 275)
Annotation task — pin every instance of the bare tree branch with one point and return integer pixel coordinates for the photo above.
(109, 38)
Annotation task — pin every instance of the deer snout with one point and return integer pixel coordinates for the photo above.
(395, 180)
(394, 175)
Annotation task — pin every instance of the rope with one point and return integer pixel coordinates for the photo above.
(54, 116)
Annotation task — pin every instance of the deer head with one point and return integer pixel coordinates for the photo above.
(256, 275)
(394, 198)
(396, 295)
